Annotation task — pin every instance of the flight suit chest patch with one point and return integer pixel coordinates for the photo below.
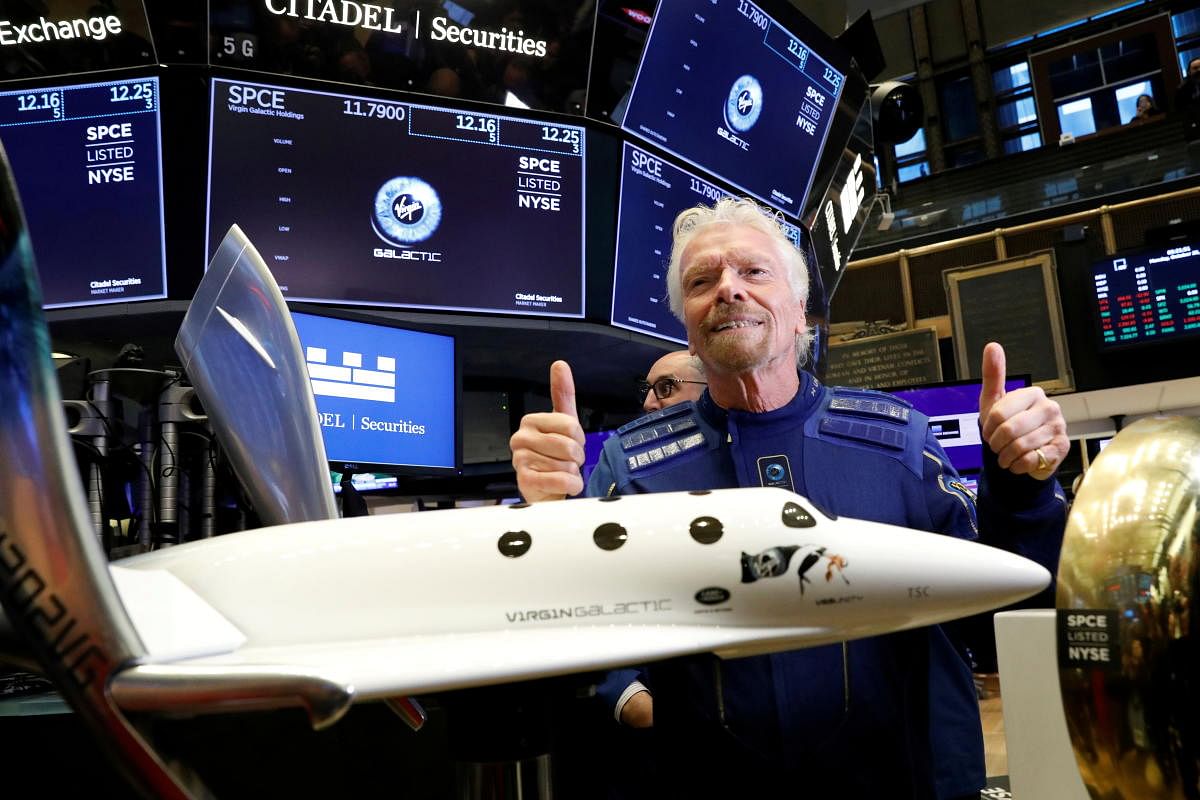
(654, 432)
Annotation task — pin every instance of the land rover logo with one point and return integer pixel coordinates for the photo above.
(712, 596)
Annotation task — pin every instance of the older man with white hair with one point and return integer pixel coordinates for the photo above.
(887, 716)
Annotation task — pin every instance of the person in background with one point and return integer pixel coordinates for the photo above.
(1187, 100)
(1145, 110)
(895, 715)
(674, 378)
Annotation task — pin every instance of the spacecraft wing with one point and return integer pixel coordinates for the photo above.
(411, 665)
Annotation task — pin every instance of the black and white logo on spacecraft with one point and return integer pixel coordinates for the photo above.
(407, 211)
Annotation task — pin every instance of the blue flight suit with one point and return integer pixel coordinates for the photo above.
(889, 716)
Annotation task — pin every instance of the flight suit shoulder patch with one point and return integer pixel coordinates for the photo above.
(658, 426)
(868, 417)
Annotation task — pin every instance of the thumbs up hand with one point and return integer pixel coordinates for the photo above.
(548, 447)
(1024, 428)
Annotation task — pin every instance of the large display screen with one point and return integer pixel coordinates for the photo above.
(726, 87)
(56, 37)
(653, 192)
(357, 200)
(88, 166)
(512, 52)
(386, 397)
(953, 411)
(1145, 297)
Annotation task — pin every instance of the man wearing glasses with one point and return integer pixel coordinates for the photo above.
(674, 378)
(888, 716)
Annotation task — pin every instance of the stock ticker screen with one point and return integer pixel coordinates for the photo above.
(653, 192)
(1146, 297)
(727, 88)
(87, 162)
(358, 200)
(953, 411)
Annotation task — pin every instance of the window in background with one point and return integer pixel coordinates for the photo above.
(1082, 86)
(1185, 27)
(1020, 144)
(1095, 76)
(1076, 117)
(1016, 111)
(1127, 97)
(982, 209)
(912, 171)
(960, 119)
(911, 159)
(1060, 190)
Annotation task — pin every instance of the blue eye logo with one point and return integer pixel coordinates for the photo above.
(744, 103)
(407, 211)
(775, 472)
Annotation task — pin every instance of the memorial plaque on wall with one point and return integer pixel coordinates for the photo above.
(1015, 303)
(907, 358)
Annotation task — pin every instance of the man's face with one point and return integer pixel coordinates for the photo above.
(738, 306)
(1194, 66)
(673, 365)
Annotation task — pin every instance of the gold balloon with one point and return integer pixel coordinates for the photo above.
(1126, 652)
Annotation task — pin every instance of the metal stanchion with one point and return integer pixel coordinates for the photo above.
(208, 486)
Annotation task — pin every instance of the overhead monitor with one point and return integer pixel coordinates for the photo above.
(1147, 296)
(653, 192)
(511, 52)
(387, 398)
(87, 160)
(60, 37)
(725, 86)
(953, 411)
(367, 201)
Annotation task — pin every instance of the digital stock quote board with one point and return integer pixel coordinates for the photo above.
(727, 88)
(365, 201)
(653, 192)
(87, 162)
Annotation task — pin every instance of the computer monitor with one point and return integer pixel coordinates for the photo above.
(731, 89)
(1146, 296)
(593, 447)
(365, 481)
(87, 158)
(953, 411)
(511, 52)
(358, 200)
(1095, 445)
(387, 397)
(653, 192)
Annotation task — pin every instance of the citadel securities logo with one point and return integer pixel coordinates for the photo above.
(407, 211)
(353, 15)
(374, 17)
(744, 104)
(852, 195)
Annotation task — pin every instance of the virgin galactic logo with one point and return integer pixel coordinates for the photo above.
(407, 211)
(744, 103)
